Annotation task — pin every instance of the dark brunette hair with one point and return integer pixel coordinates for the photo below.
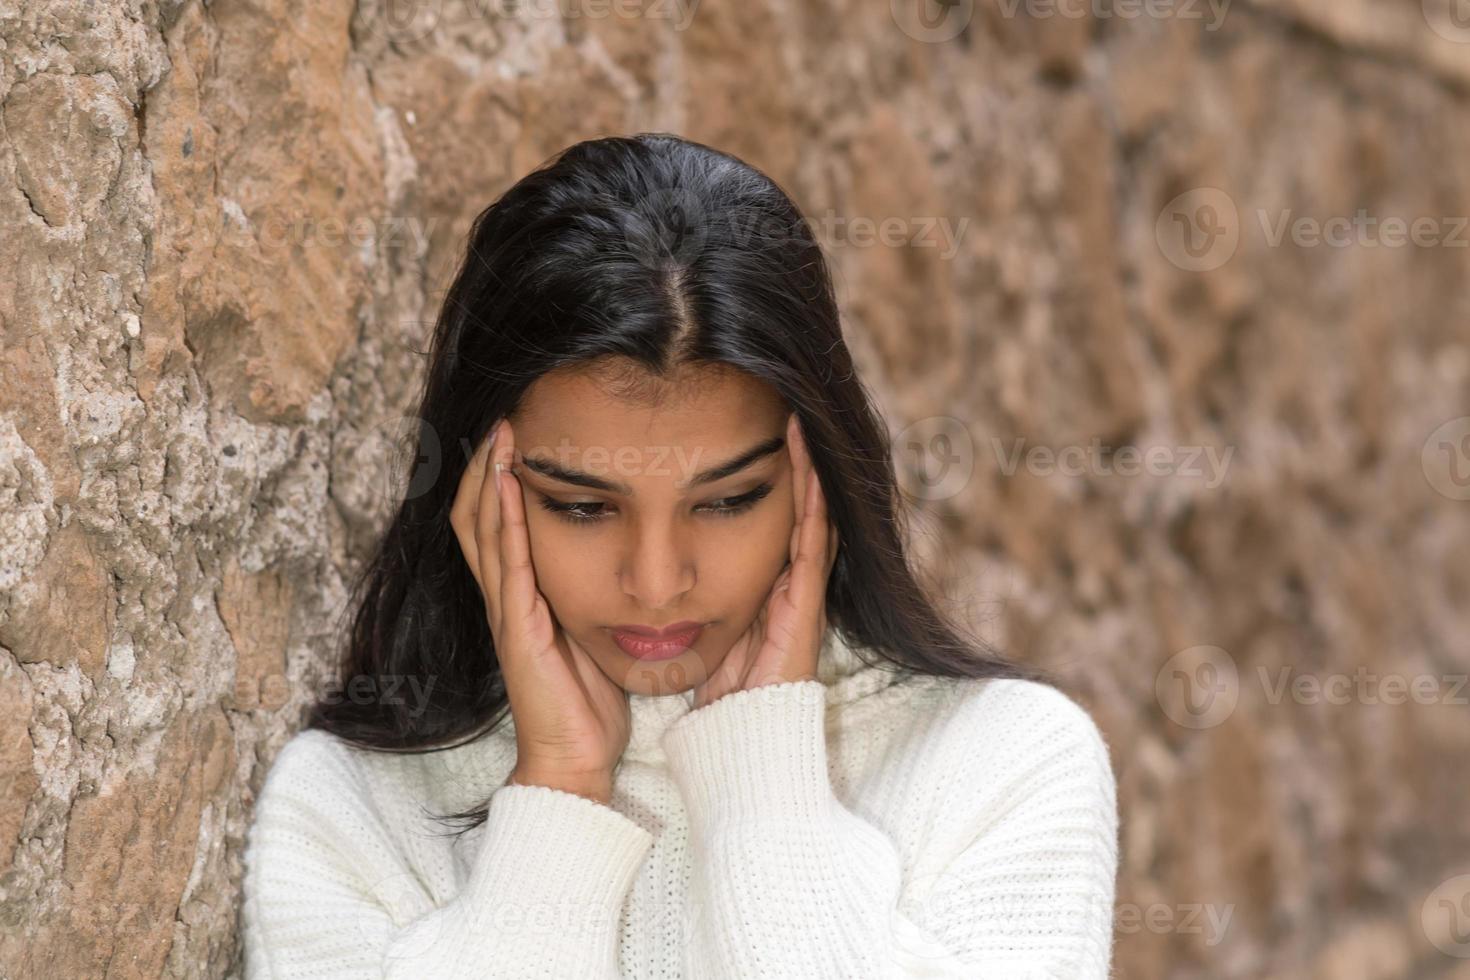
(659, 252)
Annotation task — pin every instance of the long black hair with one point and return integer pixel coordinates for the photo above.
(659, 252)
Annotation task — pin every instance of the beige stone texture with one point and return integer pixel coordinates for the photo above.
(225, 227)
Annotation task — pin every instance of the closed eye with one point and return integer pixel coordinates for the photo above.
(590, 512)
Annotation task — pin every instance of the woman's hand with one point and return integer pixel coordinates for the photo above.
(783, 642)
(571, 721)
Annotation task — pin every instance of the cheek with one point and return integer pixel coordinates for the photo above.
(562, 562)
(750, 556)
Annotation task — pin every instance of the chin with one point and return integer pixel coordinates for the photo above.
(674, 675)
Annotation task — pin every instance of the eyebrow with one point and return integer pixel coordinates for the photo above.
(730, 467)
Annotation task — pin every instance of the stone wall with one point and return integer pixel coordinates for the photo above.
(1162, 435)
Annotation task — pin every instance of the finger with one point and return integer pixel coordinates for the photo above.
(815, 509)
(833, 542)
(588, 673)
(517, 577)
(749, 660)
(809, 568)
(796, 448)
(463, 512)
(487, 524)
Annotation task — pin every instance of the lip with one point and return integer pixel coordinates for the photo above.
(647, 643)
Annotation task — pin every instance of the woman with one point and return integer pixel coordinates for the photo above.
(632, 608)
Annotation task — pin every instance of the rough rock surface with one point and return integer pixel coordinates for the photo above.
(224, 229)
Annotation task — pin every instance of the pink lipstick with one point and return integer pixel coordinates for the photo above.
(649, 643)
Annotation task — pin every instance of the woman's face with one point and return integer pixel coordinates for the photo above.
(651, 509)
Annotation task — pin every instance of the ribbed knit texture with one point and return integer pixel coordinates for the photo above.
(855, 826)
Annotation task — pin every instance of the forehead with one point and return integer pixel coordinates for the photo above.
(615, 404)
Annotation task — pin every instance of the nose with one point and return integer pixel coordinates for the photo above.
(657, 568)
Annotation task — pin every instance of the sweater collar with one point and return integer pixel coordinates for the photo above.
(464, 775)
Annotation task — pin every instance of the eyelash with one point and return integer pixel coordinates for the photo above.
(572, 514)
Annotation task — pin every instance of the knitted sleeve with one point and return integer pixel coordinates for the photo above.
(1007, 872)
(329, 894)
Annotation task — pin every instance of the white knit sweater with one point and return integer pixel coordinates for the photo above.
(855, 826)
